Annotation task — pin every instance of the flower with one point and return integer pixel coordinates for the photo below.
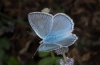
(70, 61)
(62, 50)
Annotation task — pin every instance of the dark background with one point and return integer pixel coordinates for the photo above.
(18, 43)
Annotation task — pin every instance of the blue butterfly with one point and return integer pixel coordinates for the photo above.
(55, 31)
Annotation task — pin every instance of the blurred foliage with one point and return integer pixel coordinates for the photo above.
(13, 61)
(4, 46)
(43, 54)
(17, 46)
(47, 60)
(85, 42)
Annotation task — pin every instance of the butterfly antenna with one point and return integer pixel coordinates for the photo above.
(35, 52)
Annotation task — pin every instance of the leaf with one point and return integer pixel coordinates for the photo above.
(56, 61)
(13, 61)
(2, 53)
(43, 54)
(46, 61)
(1, 62)
(1, 24)
(4, 43)
(31, 63)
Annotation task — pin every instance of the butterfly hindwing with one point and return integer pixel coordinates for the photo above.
(48, 47)
(67, 41)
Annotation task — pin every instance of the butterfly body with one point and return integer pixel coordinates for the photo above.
(55, 31)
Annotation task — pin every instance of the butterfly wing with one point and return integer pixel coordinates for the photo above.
(40, 22)
(68, 40)
(61, 28)
(48, 47)
(62, 24)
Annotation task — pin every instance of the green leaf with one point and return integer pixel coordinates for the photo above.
(4, 43)
(1, 24)
(1, 63)
(56, 61)
(46, 61)
(31, 63)
(13, 61)
(43, 54)
(2, 54)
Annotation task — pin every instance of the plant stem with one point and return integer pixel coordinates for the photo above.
(52, 54)
(64, 56)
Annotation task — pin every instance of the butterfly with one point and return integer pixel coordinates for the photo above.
(55, 31)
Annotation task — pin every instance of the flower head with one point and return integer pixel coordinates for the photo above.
(70, 61)
(61, 50)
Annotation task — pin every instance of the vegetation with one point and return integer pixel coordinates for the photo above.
(18, 43)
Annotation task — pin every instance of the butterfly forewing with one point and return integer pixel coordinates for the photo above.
(40, 22)
(62, 24)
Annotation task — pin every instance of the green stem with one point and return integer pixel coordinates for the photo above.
(52, 54)
(64, 56)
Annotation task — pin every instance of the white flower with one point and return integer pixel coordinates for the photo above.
(70, 61)
(62, 50)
